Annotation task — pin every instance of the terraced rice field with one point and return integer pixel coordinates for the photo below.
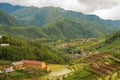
(99, 67)
(56, 71)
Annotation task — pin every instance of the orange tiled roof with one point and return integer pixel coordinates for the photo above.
(32, 62)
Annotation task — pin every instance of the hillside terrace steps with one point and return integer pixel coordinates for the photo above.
(97, 66)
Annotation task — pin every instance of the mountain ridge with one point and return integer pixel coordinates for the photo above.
(8, 8)
(57, 23)
(6, 19)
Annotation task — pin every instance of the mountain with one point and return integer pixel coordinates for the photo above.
(57, 23)
(70, 28)
(60, 28)
(6, 19)
(33, 16)
(8, 8)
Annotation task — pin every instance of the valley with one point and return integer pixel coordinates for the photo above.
(51, 43)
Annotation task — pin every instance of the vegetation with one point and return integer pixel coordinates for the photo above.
(23, 74)
(4, 62)
(6, 19)
(55, 23)
(20, 49)
(110, 44)
(43, 16)
(52, 33)
(8, 8)
(81, 75)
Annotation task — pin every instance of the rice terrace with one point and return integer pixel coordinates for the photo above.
(59, 40)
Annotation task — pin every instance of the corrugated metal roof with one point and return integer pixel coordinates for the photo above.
(10, 69)
(0, 36)
(5, 44)
(17, 63)
(1, 72)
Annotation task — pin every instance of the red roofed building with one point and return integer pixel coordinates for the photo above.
(35, 64)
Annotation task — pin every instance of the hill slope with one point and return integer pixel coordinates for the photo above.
(71, 28)
(6, 19)
(112, 43)
(57, 23)
(8, 8)
(20, 49)
(32, 16)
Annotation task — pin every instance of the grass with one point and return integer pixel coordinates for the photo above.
(4, 62)
(82, 74)
(56, 71)
(56, 67)
(18, 75)
(27, 74)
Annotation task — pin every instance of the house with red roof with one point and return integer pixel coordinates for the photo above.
(29, 63)
(34, 64)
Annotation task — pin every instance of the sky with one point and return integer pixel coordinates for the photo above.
(106, 9)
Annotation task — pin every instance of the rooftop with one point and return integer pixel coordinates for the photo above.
(17, 63)
(32, 62)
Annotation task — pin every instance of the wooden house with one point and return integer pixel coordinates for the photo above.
(1, 72)
(8, 70)
(34, 64)
(5, 44)
(18, 65)
(0, 36)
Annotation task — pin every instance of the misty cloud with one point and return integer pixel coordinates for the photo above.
(92, 5)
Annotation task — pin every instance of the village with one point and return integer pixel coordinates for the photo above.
(34, 67)
(23, 64)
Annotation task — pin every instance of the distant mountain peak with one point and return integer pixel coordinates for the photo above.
(9, 8)
(6, 19)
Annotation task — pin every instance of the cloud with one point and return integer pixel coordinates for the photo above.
(111, 13)
(92, 5)
(107, 9)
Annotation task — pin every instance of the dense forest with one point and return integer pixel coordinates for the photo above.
(20, 49)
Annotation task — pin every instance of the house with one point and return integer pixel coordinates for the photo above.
(0, 36)
(29, 63)
(34, 64)
(8, 70)
(1, 72)
(4, 44)
(18, 65)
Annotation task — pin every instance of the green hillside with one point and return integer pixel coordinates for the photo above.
(60, 28)
(55, 23)
(20, 49)
(111, 43)
(8, 8)
(72, 28)
(5, 19)
(33, 16)
(29, 33)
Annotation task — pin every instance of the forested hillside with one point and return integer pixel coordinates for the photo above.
(54, 23)
(6, 19)
(8, 8)
(112, 43)
(20, 49)
(33, 16)
(71, 28)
